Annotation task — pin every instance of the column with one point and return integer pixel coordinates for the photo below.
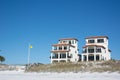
(58, 57)
(57, 47)
(68, 48)
(66, 57)
(62, 47)
(87, 50)
(100, 57)
(94, 49)
(87, 57)
(51, 58)
(94, 53)
(82, 57)
(104, 58)
(94, 57)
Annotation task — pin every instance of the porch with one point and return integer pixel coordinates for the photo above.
(92, 57)
(60, 57)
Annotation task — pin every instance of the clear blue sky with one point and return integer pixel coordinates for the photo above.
(43, 22)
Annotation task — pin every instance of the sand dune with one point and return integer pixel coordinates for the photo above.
(20, 75)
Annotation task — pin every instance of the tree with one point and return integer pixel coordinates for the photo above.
(2, 59)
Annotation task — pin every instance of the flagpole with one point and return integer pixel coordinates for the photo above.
(29, 54)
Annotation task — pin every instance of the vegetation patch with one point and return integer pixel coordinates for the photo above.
(98, 66)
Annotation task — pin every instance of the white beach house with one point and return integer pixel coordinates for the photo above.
(96, 48)
(65, 51)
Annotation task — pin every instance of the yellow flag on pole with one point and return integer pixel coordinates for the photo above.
(30, 46)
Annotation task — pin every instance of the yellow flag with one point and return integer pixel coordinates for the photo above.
(30, 46)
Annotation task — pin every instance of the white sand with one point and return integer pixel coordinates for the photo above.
(18, 75)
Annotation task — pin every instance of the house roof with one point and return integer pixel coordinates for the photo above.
(63, 45)
(97, 37)
(93, 45)
(68, 39)
(60, 51)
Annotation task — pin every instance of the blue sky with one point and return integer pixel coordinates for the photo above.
(43, 22)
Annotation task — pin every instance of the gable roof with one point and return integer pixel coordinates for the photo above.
(94, 45)
(96, 37)
(68, 39)
(63, 45)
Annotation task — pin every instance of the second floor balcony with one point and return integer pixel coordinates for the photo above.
(92, 51)
(60, 48)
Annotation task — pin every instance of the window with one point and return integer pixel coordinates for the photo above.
(69, 42)
(60, 41)
(65, 48)
(75, 42)
(84, 51)
(60, 48)
(63, 56)
(100, 40)
(55, 56)
(91, 50)
(98, 50)
(55, 47)
(72, 42)
(91, 41)
(75, 51)
(64, 41)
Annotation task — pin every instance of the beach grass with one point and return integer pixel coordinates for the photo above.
(97, 66)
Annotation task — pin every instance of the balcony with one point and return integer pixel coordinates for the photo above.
(56, 57)
(59, 47)
(92, 52)
(61, 51)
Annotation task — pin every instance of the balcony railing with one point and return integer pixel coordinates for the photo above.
(53, 57)
(59, 49)
(92, 52)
